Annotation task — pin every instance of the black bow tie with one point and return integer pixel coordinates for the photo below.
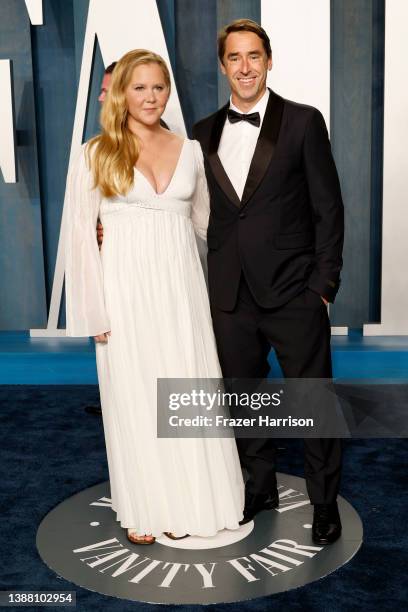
(252, 118)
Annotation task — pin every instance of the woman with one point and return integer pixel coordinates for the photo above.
(144, 300)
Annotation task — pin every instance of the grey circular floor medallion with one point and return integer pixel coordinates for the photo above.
(82, 541)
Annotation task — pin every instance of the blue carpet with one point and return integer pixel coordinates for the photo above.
(52, 449)
(71, 361)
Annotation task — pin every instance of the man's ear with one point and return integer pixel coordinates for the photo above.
(222, 67)
(270, 63)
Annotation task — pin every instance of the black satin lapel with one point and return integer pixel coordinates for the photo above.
(215, 163)
(266, 145)
(216, 129)
(223, 180)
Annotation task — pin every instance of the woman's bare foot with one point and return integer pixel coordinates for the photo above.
(133, 537)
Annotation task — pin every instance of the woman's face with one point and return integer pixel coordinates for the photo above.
(146, 94)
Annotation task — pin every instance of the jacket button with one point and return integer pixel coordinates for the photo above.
(242, 215)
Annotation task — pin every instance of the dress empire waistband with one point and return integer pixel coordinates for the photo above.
(117, 209)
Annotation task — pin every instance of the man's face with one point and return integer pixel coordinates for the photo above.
(104, 87)
(245, 64)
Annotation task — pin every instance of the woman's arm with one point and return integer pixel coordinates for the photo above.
(200, 211)
(85, 305)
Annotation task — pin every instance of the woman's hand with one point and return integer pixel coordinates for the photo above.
(99, 234)
(102, 337)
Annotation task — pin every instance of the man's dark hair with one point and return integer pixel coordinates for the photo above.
(109, 69)
(243, 25)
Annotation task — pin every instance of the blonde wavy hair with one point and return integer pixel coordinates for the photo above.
(112, 155)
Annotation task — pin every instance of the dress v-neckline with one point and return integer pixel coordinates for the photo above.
(172, 176)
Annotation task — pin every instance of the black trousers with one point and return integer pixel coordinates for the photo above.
(299, 331)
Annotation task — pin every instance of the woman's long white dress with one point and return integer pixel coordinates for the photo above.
(147, 287)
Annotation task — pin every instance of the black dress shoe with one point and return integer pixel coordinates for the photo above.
(326, 523)
(257, 503)
(93, 409)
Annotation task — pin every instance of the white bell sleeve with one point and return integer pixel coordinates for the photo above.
(85, 304)
(200, 210)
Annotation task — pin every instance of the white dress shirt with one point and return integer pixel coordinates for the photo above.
(237, 145)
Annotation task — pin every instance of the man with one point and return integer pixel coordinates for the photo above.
(105, 84)
(107, 76)
(275, 241)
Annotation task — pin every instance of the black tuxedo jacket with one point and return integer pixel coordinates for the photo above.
(286, 233)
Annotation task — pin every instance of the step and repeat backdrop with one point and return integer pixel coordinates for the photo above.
(344, 56)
